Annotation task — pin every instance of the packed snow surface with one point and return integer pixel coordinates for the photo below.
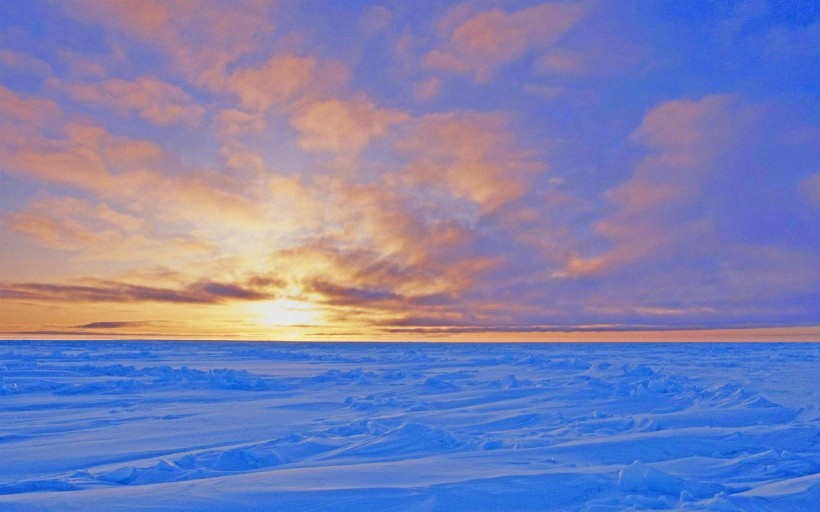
(272, 426)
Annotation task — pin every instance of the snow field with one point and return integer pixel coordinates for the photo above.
(238, 426)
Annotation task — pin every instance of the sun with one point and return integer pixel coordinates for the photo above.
(286, 312)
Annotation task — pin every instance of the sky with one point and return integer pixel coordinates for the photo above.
(488, 169)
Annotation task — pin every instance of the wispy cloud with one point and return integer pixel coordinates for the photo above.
(201, 292)
(151, 99)
(111, 325)
(481, 43)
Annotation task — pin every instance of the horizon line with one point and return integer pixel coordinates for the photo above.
(791, 334)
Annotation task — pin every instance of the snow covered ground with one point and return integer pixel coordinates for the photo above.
(240, 426)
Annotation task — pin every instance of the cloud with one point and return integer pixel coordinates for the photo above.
(338, 126)
(380, 258)
(99, 232)
(25, 114)
(201, 38)
(346, 295)
(40, 143)
(798, 42)
(81, 65)
(561, 61)
(547, 92)
(283, 79)
(233, 122)
(140, 181)
(683, 138)
(484, 42)
(53, 233)
(638, 196)
(153, 100)
(24, 62)
(374, 20)
(111, 325)
(469, 156)
(426, 90)
(200, 292)
(422, 328)
(810, 187)
(588, 53)
(686, 133)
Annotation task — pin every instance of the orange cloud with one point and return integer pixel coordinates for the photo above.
(683, 138)
(282, 79)
(25, 113)
(96, 231)
(153, 100)
(232, 122)
(469, 156)
(86, 155)
(201, 37)
(374, 253)
(338, 126)
(637, 196)
(685, 133)
(483, 42)
(132, 171)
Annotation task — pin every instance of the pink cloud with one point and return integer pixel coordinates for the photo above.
(153, 100)
(426, 90)
(564, 62)
(338, 126)
(85, 66)
(683, 138)
(283, 79)
(483, 42)
(138, 172)
(590, 51)
(97, 231)
(52, 160)
(233, 122)
(547, 92)
(374, 20)
(25, 62)
(469, 156)
(810, 187)
(637, 196)
(201, 37)
(72, 224)
(687, 133)
(25, 113)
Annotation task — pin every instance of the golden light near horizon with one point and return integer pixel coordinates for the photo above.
(285, 313)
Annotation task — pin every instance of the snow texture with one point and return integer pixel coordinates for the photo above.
(271, 426)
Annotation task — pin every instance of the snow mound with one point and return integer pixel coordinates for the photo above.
(638, 477)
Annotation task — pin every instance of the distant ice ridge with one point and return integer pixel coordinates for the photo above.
(216, 426)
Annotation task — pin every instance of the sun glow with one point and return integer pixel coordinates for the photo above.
(286, 312)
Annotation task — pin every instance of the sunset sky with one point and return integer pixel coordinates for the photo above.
(410, 169)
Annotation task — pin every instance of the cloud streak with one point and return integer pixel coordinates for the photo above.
(201, 292)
